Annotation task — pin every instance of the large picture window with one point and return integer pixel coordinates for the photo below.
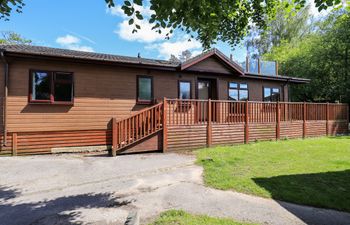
(51, 87)
(144, 89)
(238, 91)
(271, 94)
(184, 89)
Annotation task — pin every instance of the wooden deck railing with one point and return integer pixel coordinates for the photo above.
(189, 112)
(136, 127)
(309, 118)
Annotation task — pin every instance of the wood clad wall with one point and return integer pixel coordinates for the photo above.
(186, 137)
(101, 92)
(227, 134)
(292, 129)
(262, 132)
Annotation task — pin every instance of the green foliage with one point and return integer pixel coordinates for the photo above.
(288, 25)
(212, 21)
(311, 171)
(9, 37)
(7, 5)
(323, 56)
(182, 217)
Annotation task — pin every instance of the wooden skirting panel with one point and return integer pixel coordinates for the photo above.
(149, 144)
(262, 131)
(316, 128)
(179, 137)
(183, 137)
(228, 134)
(292, 129)
(337, 127)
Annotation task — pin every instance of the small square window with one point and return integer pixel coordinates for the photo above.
(184, 89)
(144, 89)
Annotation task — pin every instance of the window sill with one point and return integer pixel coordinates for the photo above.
(54, 103)
(144, 102)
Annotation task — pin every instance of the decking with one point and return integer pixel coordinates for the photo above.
(191, 124)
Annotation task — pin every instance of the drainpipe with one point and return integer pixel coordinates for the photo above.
(4, 112)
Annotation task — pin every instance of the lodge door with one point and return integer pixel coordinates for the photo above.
(206, 89)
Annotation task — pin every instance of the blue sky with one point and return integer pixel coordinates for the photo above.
(90, 26)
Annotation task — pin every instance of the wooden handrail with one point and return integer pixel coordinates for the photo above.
(136, 127)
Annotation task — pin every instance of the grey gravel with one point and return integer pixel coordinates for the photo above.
(77, 189)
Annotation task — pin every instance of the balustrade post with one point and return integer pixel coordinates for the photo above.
(209, 124)
(165, 127)
(14, 144)
(114, 137)
(278, 119)
(327, 119)
(246, 125)
(304, 120)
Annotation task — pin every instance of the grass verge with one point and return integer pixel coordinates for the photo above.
(313, 172)
(180, 217)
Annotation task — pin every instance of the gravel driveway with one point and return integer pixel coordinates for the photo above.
(70, 189)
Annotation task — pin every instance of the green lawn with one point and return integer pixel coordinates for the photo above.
(178, 217)
(312, 171)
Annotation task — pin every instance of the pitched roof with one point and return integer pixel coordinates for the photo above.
(31, 50)
(213, 52)
(57, 52)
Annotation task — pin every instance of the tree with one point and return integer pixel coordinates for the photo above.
(322, 56)
(210, 21)
(287, 26)
(10, 37)
(174, 59)
(185, 55)
(7, 5)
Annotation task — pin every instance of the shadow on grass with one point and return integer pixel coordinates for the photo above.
(55, 211)
(323, 190)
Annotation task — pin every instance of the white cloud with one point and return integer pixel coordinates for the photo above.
(67, 40)
(145, 34)
(73, 43)
(117, 11)
(165, 49)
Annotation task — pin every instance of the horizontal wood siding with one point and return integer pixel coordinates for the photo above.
(292, 129)
(315, 128)
(43, 142)
(183, 137)
(228, 134)
(151, 143)
(262, 131)
(338, 127)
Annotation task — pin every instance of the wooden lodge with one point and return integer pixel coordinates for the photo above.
(56, 100)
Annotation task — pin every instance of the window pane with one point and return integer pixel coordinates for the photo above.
(243, 86)
(243, 95)
(41, 86)
(275, 90)
(267, 94)
(275, 97)
(233, 94)
(185, 90)
(233, 85)
(145, 89)
(63, 87)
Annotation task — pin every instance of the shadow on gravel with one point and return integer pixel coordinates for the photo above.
(323, 190)
(52, 212)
